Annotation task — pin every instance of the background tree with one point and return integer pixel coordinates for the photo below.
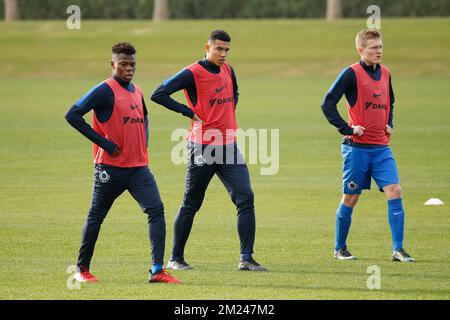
(160, 10)
(11, 10)
(334, 9)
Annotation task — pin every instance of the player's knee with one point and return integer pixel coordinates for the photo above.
(398, 191)
(246, 199)
(96, 215)
(155, 213)
(191, 204)
(187, 211)
(350, 200)
(393, 191)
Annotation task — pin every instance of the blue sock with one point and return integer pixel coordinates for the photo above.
(343, 221)
(245, 256)
(156, 268)
(396, 216)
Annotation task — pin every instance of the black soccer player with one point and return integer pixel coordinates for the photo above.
(120, 137)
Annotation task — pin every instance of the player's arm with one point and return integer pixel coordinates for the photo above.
(145, 120)
(101, 101)
(390, 125)
(182, 80)
(235, 87)
(345, 83)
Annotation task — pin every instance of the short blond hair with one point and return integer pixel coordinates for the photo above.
(364, 35)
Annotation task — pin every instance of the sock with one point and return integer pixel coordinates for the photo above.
(343, 221)
(396, 216)
(245, 256)
(156, 268)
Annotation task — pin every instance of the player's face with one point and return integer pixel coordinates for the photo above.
(124, 66)
(373, 51)
(217, 51)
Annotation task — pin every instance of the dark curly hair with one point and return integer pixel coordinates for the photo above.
(123, 47)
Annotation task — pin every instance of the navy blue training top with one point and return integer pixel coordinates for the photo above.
(100, 99)
(185, 80)
(345, 83)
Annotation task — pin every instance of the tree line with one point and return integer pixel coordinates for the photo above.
(225, 9)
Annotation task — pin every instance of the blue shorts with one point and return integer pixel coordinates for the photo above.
(361, 164)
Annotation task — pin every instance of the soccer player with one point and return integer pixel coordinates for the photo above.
(120, 135)
(365, 149)
(212, 93)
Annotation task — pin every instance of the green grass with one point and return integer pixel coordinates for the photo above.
(284, 67)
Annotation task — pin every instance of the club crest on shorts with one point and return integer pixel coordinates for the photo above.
(199, 160)
(352, 185)
(103, 176)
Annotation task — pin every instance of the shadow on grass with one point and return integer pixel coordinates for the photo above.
(411, 291)
(341, 272)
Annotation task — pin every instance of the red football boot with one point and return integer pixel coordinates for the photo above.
(164, 277)
(84, 276)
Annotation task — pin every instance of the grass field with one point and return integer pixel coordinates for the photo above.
(284, 68)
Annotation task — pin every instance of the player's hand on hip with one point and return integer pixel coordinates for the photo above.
(116, 152)
(389, 130)
(358, 130)
(196, 118)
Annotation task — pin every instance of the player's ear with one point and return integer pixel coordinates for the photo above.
(207, 46)
(360, 50)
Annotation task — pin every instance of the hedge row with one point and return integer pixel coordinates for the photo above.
(227, 9)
